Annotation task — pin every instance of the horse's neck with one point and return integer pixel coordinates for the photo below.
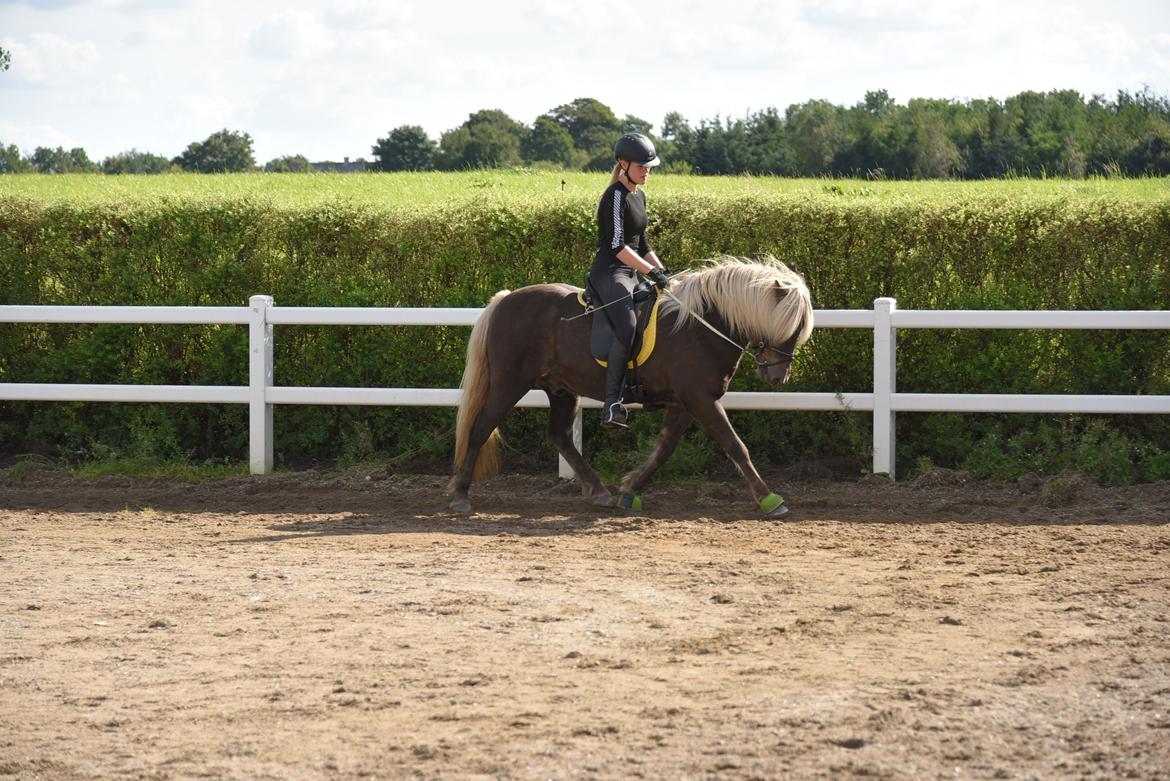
(714, 343)
(718, 323)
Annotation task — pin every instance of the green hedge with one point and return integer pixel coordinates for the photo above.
(970, 248)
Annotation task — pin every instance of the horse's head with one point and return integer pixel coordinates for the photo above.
(763, 303)
(793, 319)
(774, 361)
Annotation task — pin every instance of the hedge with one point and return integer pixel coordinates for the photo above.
(969, 248)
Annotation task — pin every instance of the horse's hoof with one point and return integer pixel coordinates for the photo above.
(772, 505)
(631, 503)
(602, 500)
(461, 506)
(779, 511)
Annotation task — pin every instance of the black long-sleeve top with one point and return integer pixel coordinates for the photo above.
(621, 222)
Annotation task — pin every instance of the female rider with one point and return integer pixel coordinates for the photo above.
(622, 252)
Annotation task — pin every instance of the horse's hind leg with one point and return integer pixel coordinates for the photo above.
(562, 409)
(498, 404)
(674, 423)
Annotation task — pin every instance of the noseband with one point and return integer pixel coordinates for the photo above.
(758, 349)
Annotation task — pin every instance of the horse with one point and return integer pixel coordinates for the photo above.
(709, 317)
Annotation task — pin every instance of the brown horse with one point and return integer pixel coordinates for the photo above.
(529, 339)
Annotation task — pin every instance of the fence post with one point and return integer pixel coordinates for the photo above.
(563, 469)
(884, 383)
(259, 380)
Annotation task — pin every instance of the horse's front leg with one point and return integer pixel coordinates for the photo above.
(712, 415)
(674, 423)
(562, 409)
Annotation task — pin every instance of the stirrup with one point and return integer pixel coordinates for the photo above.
(615, 416)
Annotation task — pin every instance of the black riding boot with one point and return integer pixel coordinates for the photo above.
(613, 414)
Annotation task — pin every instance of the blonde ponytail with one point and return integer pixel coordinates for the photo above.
(616, 176)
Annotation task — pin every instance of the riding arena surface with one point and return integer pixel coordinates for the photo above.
(348, 626)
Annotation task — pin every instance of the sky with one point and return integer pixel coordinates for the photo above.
(328, 79)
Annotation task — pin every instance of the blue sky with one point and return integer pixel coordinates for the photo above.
(327, 79)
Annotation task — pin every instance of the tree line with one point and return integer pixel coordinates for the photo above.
(1057, 133)
(225, 151)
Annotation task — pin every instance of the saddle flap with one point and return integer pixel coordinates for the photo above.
(601, 337)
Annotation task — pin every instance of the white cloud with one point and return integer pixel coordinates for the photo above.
(43, 5)
(328, 77)
(625, 20)
(119, 89)
(51, 59)
(889, 15)
(1066, 40)
(733, 46)
(378, 48)
(208, 110)
(28, 137)
(295, 35)
(368, 14)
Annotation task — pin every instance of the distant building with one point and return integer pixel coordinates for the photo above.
(346, 167)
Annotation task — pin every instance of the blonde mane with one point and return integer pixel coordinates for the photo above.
(758, 300)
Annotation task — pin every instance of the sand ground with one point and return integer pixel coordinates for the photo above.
(307, 626)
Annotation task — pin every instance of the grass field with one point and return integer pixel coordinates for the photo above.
(520, 186)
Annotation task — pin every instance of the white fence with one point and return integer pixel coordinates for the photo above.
(884, 402)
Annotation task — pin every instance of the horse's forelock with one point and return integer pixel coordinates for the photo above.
(757, 299)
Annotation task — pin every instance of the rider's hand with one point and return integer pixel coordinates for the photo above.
(658, 277)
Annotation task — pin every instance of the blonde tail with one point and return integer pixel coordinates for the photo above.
(475, 385)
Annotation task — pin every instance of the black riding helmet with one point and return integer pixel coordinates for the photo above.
(636, 148)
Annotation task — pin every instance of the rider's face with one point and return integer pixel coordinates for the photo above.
(638, 173)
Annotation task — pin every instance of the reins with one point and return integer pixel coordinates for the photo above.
(593, 309)
(710, 327)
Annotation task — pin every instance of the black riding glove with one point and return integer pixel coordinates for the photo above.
(659, 278)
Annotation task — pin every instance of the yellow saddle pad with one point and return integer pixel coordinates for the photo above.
(648, 336)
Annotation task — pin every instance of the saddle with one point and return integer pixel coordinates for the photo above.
(645, 333)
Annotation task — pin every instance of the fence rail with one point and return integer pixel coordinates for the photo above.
(884, 402)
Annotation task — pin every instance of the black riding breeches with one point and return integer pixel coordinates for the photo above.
(612, 283)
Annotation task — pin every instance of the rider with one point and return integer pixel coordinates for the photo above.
(622, 252)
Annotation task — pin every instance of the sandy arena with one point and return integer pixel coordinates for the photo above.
(307, 626)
